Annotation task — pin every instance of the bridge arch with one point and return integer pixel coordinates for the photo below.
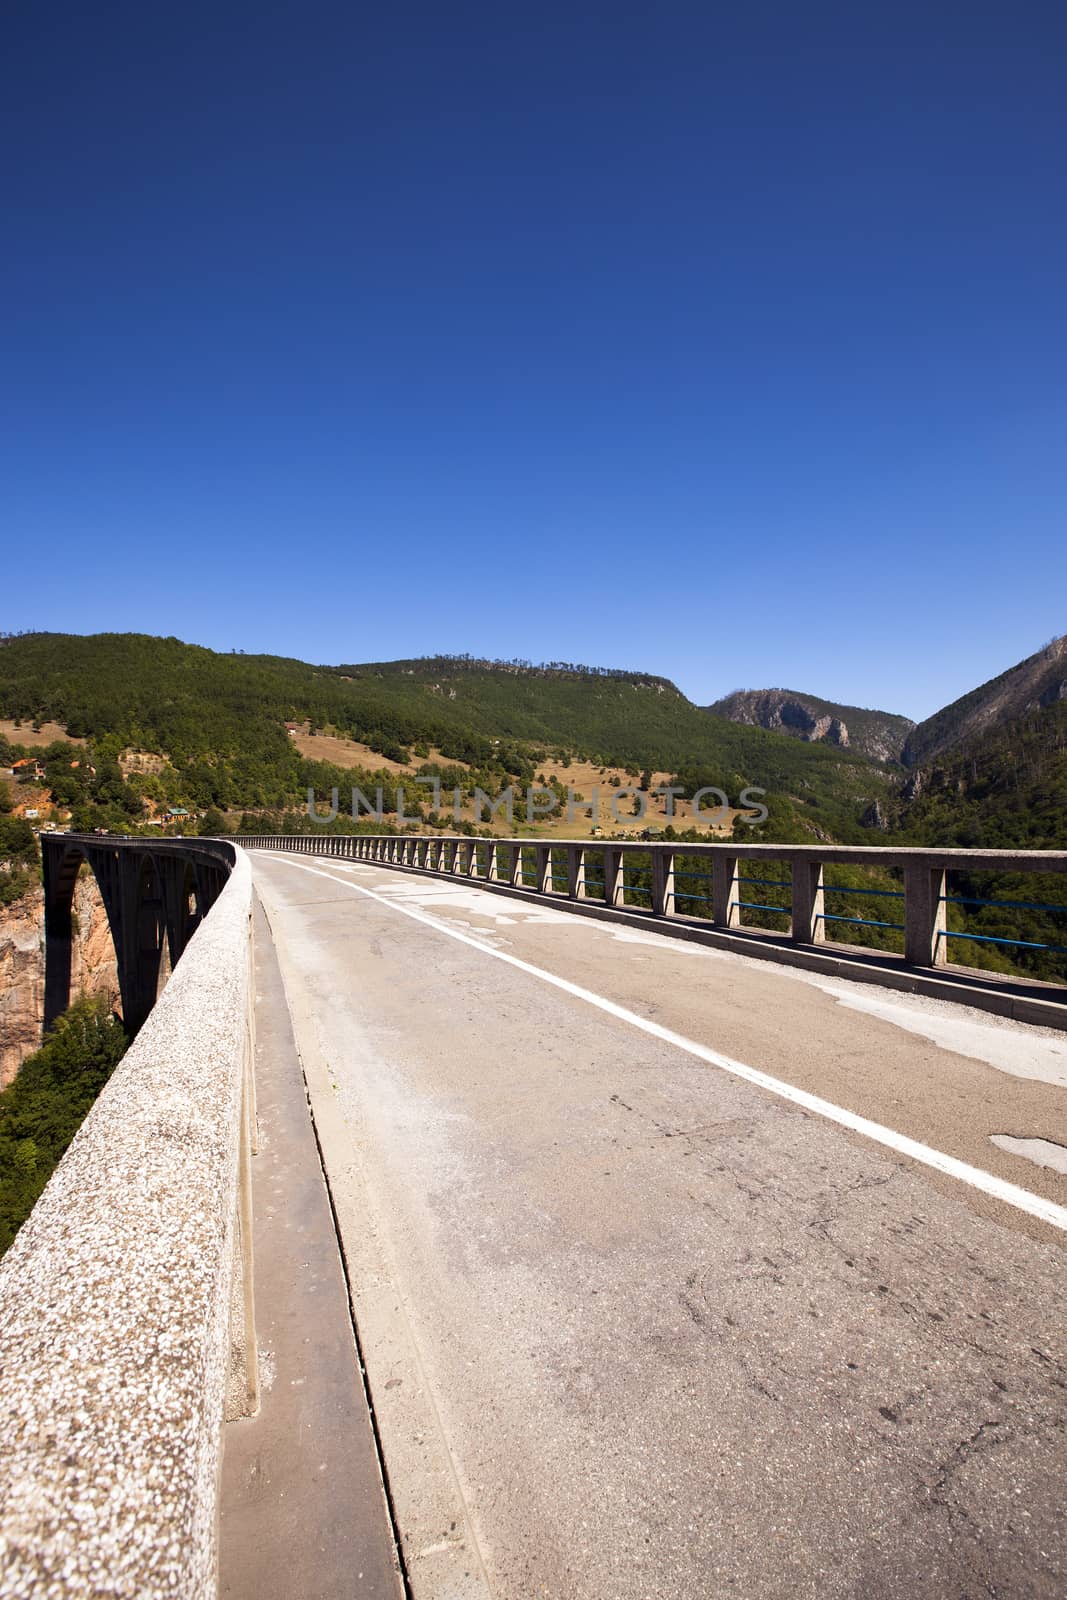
(156, 893)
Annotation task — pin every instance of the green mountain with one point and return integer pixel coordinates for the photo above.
(1002, 788)
(987, 770)
(877, 734)
(215, 726)
(219, 720)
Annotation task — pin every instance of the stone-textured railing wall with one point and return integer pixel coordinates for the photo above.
(126, 1332)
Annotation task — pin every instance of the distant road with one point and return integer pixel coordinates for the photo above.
(636, 1326)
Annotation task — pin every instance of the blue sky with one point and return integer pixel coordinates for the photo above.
(724, 342)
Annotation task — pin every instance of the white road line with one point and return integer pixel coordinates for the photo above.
(986, 1182)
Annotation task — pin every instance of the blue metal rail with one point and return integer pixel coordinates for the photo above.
(863, 922)
(891, 894)
(989, 938)
(1016, 905)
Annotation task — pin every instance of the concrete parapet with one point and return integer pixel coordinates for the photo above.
(126, 1326)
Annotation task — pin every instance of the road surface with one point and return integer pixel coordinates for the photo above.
(637, 1324)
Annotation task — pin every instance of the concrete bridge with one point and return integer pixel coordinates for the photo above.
(154, 896)
(599, 1251)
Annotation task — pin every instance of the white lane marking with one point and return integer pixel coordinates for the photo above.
(1035, 1205)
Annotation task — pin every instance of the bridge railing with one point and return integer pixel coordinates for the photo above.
(890, 903)
(126, 1327)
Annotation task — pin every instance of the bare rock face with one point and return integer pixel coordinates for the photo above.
(94, 970)
(878, 734)
(21, 981)
(875, 817)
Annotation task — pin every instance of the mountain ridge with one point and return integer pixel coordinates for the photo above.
(1033, 684)
(222, 722)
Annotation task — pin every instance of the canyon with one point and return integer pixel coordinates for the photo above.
(93, 968)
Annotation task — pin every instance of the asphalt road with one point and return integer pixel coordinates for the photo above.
(636, 1326)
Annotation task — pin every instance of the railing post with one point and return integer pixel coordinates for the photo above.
(925, 915)
(543, 869)
(614, 890)
(492, 870)
(575, 872)
(807, 924)
(724, 908)
(515, 866)
(662, 882)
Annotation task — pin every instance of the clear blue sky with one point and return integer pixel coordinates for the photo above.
(727, 342)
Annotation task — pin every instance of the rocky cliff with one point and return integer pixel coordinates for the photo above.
(93, 968)
(879, 734)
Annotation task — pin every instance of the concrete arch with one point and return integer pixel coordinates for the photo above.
(61, 868)
(156, 893)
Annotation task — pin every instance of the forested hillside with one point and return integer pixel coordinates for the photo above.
(43, 1109)
(214, 728)
(219, 723)
(1028, 687)
(164, 727)
(1001, 789)
(878, 734)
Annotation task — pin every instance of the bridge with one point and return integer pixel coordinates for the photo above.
(559, 1243)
